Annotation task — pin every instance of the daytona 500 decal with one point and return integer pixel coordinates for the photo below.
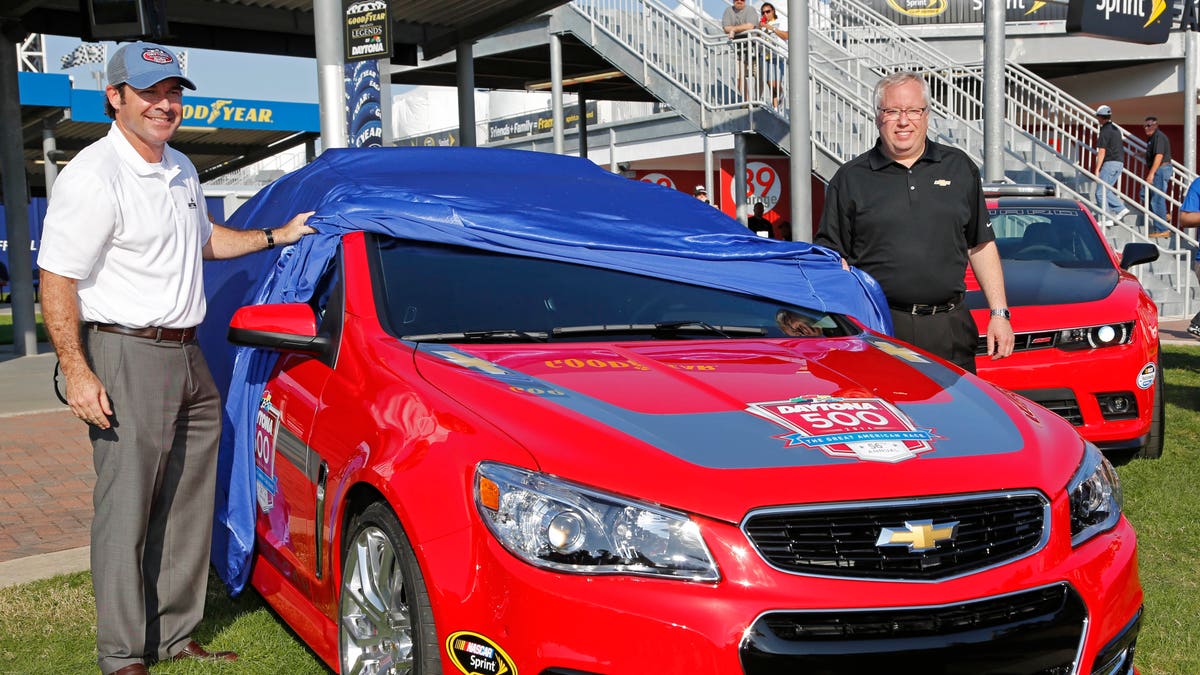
(865, 428)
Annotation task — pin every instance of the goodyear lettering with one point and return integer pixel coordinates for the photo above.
(222, 109)
(593, 363)
(824, 407)
(371, 17)
(680, 366)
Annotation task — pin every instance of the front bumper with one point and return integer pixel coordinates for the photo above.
(1053, 612)
(1072, 384)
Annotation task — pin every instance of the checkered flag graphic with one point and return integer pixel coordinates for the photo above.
(183, 56)
(86, 52)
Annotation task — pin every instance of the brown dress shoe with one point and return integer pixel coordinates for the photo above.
(193, 650)
(133, 669)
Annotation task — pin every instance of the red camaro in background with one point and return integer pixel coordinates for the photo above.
(1086, 331)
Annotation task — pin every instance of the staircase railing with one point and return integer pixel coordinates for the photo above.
(1048, 135)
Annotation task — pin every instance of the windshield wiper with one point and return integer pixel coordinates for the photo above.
(506, 335)
(664, 327)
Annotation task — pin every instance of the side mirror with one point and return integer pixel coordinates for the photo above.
(285, 327)
(1136, 253)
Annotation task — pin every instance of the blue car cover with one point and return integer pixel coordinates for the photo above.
(537, 204)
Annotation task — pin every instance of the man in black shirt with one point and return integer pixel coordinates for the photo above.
(1158, 173)
(758, 222)
(910, 212)
(1110, 158)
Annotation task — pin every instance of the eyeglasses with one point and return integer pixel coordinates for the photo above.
(893, 114)
(768, 10)
(1150, 124)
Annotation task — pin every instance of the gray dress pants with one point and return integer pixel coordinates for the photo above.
(155, 477)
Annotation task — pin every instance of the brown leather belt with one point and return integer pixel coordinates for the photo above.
(150, 333)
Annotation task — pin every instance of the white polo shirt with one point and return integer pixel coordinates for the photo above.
(132, 233)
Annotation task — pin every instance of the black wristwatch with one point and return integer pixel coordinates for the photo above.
(270, 237)
(1003, 313)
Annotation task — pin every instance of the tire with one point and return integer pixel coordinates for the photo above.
(1158, 422)
(385, 620)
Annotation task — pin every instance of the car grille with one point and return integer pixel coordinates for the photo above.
(1023, 342)
(1034, 632)
(840, 540)
(1061, 402)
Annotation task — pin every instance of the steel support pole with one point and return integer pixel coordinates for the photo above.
(465, 65)
(799, 112)
(556, 90)
(993, 91)
(16, 202)
(1191, 65)
(583, 125)
(331, 76)
(708, 170)
(612, 151)
(738, 181)
(49, 153)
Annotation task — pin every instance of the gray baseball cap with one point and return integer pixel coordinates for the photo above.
(1104, 111)
(144, 64)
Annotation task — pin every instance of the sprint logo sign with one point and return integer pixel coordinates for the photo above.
(1140, 21)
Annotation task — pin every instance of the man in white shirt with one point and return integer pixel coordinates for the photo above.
(122, 294)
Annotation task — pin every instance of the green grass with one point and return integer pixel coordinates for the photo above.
(6, 329)
(49, 626)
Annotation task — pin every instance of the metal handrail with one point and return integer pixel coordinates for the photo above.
(853, 46)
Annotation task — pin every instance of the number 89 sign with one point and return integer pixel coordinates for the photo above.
(762, 185)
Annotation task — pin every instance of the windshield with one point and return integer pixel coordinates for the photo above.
(434, 292)
(1056, 234)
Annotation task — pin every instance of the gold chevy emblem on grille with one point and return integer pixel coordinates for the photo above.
(918, 535)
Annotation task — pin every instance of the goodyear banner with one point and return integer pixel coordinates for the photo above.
(87, 105)
(364, 116)
(368, 30)
(913, 12)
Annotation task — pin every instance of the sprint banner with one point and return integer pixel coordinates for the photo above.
(1146, 22)
(920, 12)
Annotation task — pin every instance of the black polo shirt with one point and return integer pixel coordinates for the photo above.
(910, 228)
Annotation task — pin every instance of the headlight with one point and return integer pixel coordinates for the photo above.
(1094, 337)
(562, 526)
(1095, 494)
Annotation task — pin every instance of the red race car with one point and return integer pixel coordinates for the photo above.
(493, 460)
(1086, 331)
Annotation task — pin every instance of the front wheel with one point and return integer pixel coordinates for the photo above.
(1158, 421)
(385, 621)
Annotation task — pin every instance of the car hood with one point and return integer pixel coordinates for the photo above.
(714, 426)
(1037, 282)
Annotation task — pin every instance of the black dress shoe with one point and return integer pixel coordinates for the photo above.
(132, 669)
(193, 650)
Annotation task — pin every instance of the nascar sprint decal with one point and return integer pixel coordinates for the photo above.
(869, 429)
(474, 654)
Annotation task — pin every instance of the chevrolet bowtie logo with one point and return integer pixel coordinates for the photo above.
(918, 535)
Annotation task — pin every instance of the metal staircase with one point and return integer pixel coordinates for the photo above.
(1048, 136)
